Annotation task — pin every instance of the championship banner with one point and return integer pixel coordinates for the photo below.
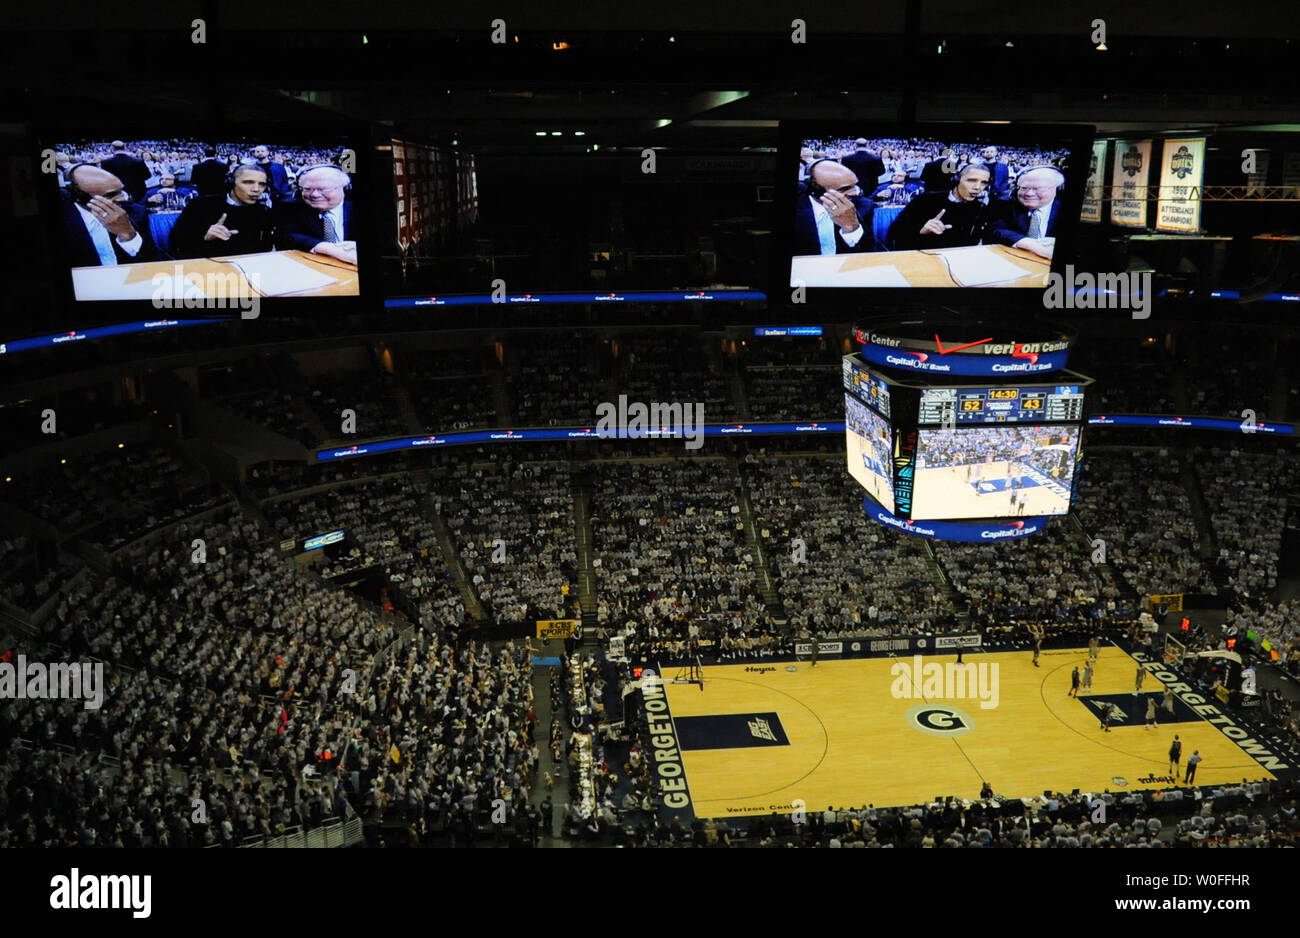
(558, 628)
(399, 187)
(1092, 192)
(1182, 170)
(1173, 602)
(1128, 183)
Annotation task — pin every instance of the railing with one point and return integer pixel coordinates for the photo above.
(333, 833)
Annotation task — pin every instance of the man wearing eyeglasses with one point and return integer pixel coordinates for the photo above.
(321, 222)
(1028, 221)
(831, 216)
(104, 228)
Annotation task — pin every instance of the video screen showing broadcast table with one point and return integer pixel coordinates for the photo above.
(891, 209)
(176, 217)
(994, 471)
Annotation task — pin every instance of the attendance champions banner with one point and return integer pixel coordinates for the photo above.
(1128, 183)
(1182, 169)
(1092, 192)
(557, 628)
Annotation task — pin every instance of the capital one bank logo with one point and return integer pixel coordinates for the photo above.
(1180, 164)
(1131, 162)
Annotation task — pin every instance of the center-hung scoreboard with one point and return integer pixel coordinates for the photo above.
(951, 431)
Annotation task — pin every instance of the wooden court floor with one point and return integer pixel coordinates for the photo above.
(849, 741)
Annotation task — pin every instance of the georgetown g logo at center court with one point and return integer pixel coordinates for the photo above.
(940, 720)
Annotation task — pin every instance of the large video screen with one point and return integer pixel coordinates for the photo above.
(891, 209)
(187, 221)
(994, 472)
(870, 452)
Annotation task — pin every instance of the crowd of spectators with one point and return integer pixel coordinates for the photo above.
(450, 391)
(1048, 577)
(1246, 496)
(553, 383)
(794, 392)
(227, 669)
(1156, 549)
(512, 523)
(671, 560)
(113, 495)
(385, 526)
(370, 396)
(29, 575)
(276, 410)
(675, 367)
(852, 576)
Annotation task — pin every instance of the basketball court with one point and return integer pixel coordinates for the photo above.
(760, 736)
(987, 490)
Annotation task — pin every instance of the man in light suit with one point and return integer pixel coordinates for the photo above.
(103, 227)
(1028, 221)
(322, 220)
(831, 216)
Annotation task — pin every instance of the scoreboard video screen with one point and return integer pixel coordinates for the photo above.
(869, 444)
(994, 471)
(1024, 404)
(870, 388)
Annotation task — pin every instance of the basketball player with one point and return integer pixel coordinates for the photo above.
(815, 649)
(1093, 648)
(1137, 684)
(1087, 675)
(1074, 682)
(1169, 702)
(1175, 753)
(1107, 711)
(1151, 714)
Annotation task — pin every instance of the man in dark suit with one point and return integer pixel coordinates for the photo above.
(102, 226)
(936, 175)
(1028, 221)
(865, 165)
(999, 175)
(277, 177)
(236, 223)
(132, 172)
(831, 216)
(209, 176)
(946, 219)
(322, 221)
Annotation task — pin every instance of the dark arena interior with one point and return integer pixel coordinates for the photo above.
(680, 427)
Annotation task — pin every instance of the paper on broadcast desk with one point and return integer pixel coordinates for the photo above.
(877, 275)
(974, 267)
(111, 283)
(277, 274)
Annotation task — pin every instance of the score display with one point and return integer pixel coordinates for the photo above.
(870, 388)
(1007, 404)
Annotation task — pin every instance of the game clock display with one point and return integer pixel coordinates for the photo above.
(955, 406)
